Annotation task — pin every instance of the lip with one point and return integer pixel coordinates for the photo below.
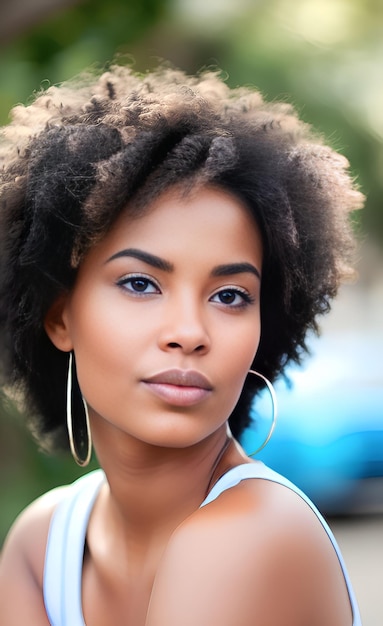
(179, 387)
(181, 378)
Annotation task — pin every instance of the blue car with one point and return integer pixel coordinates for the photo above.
(329, 435)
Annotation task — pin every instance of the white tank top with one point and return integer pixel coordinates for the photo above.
(67, 532)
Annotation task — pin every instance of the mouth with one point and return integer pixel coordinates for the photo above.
(179, 387)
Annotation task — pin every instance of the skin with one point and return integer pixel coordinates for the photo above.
(153, 558)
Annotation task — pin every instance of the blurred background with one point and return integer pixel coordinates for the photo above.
(326, 58)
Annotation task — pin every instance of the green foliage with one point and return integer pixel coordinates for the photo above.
(91, 32)
(26, 472)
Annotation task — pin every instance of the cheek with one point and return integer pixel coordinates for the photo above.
(244, 344)
(238, 359)
(102, 322)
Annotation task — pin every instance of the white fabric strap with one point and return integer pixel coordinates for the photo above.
(65, 552)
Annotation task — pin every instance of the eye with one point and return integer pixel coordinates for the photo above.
(233, 297)
(138, 284)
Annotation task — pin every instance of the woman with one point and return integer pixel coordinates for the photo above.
(166, 243)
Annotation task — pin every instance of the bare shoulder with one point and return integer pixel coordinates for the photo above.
(27, 538)
(258, 549)
(22, 562)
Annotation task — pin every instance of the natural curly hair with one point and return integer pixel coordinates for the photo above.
(78, 155)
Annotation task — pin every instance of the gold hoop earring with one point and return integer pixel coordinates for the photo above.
(274, 410)
(82, 448)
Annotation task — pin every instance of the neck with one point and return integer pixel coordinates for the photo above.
(151, 487)
(150, 491)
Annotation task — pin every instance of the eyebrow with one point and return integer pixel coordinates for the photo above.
(228, 269)
(146, 257)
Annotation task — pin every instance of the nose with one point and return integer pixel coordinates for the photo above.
(185, 327)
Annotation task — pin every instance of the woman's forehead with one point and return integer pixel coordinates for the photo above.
(202, 222)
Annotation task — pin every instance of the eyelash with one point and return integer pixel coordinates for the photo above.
(246, 298)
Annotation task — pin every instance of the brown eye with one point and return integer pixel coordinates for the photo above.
(138, 285)
(227, 297)
(233, 298)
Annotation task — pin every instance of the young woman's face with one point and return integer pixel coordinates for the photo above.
(164, 318)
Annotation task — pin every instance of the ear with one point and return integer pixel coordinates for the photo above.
(56, 324)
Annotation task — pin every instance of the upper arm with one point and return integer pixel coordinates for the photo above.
(238, 564)
(22, 566)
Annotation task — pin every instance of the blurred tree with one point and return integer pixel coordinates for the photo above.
(19, 15)
(57, 44)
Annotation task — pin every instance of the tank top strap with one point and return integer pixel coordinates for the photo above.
(65, 551)
(258, 470)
